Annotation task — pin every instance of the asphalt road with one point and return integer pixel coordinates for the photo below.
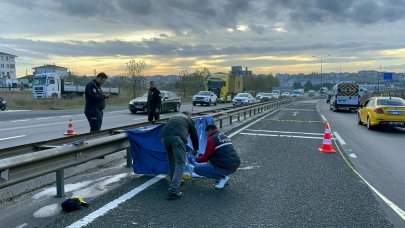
(18, 127)
(284, 181)
(378, 155)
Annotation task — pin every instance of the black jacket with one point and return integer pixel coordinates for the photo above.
(181, 126)
(95, 98)
(154, 99)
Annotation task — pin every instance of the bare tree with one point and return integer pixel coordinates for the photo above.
(183, 84)
(134, 70)
(200, 76)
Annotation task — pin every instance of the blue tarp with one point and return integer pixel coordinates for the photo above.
(148, 153)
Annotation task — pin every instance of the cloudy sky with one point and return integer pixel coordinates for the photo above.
(269, 36)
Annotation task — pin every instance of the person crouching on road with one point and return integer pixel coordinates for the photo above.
(222, 156)
(174, 136)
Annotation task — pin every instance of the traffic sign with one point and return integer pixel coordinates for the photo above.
(388, 76)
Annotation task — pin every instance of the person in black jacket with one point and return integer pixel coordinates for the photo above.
(153, 103)
(174, 135)
(95, 101)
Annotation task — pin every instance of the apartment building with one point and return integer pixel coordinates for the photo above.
(7, 66)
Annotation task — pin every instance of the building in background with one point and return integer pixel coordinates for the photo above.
(8, 76)
(61, 71)
(238, 71)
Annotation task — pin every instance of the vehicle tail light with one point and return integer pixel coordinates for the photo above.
(378, 111)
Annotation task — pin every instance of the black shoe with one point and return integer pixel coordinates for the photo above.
(173, 195)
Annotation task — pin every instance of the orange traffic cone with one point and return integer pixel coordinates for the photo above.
(327, 141)
(70, 130)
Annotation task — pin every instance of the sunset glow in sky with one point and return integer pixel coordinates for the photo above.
(268, 36)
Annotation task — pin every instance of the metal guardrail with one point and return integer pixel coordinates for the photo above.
(20, 166)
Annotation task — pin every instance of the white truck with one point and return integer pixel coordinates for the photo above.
(51, 85)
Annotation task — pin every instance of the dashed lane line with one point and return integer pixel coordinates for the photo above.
(286, 132)
(298, 121)
(341, 141)
(12, 137)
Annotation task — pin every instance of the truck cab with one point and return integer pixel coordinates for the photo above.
(47, 85)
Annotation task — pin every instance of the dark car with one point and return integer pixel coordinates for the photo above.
(170, 102)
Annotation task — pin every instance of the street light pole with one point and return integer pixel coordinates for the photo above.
(322, 57)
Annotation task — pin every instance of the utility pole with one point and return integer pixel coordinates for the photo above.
(321, 57)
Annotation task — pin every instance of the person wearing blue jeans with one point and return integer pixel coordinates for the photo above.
(220, 158)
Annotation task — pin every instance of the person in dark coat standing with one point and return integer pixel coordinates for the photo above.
(220, 158)
(95, 101)
(174, 135)
(153, 103)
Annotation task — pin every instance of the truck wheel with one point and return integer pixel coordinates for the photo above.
(133, 111)
(3, 107)
(55, 95)
(194, 103)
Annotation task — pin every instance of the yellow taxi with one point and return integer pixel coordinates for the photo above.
(382, 111)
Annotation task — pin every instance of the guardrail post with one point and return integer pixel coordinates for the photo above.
(220, 123)
(230, 120)
(244, 115)
(250, 113)
(60, 183)
(254, 111)
(238, 117)
(129, 157)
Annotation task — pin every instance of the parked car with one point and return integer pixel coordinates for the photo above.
(205, 97)
(170, 101)
(382, 111)
(286, 94)
(311, 93)
(243, 99)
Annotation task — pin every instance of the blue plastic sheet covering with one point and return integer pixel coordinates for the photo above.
(148, 152)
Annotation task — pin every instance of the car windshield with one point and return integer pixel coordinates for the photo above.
(269, 94)
(145, 95)
(242, 95)
(205, 93)
(391, 102)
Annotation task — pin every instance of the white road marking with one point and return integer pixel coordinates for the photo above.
(140, 118)
(12, 137)
(66, 116)
(324, 119)
(340, 139)
(15, 121)
(44, 118)
(295, 113)
(297, 109)
(286, 136)
(287, 132)
(352, 155)
(37, 125)
(254, 122)
(115, 203)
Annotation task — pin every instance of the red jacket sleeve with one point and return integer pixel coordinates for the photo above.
(209, 151)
